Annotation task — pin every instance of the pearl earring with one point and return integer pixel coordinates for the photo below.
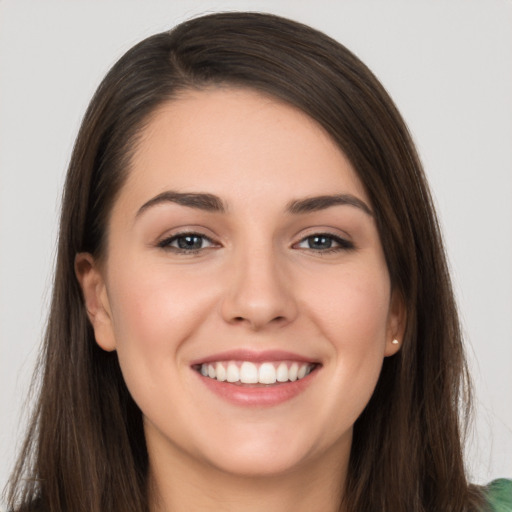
(395, 342)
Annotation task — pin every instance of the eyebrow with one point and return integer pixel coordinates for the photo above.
(207, 202)
(213, 203)
(317, 203)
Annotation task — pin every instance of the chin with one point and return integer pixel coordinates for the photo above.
(258, 465)
(262, 455)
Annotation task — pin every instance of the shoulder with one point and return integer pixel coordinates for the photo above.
(499, 495)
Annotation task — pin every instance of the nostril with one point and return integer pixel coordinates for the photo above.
(241, 319)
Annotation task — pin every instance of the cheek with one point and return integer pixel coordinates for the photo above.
(352, 311)
(151, 301)
(352, 307)
(154, 312)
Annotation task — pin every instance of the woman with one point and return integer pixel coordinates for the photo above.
(251, 308)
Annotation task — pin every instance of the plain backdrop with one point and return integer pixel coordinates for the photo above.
(448, 66)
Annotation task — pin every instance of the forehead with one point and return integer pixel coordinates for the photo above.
(238, 142)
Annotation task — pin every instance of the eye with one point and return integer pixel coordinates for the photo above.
(187, 243)
(324, 242)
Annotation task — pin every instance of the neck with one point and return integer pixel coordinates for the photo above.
(184, 484)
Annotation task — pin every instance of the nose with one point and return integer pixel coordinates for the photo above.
(258, 292)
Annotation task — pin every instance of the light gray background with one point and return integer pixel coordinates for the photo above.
(447, 64)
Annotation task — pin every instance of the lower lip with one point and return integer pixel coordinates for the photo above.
(258, 396)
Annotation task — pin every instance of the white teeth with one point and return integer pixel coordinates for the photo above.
(292, 372)
(251, 373)
(233, 374)
(282, 373)
(248, 373)
(221, 372)
(267, 374)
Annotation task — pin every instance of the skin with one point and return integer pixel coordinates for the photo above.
(257, 283)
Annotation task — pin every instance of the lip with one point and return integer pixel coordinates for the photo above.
(254, 357)
(256, 395)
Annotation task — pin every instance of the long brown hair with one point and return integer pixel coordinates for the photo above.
(85, 447)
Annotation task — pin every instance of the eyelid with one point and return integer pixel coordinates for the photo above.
(165, 241)
(183, 230)
(343, 243)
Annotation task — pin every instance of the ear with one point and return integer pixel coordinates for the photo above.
(396, 324)
(96, 300)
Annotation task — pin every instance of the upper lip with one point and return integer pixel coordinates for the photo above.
(254, 356)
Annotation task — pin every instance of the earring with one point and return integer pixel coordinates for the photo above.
(395, 342)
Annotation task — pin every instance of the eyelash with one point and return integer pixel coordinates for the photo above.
(166, 243)
(341, 243)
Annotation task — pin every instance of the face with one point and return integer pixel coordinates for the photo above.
(244, 286)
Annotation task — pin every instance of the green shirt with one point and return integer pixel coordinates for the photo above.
(499, 495)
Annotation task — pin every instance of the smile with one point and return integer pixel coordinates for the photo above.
(247, 372)
(256, 378)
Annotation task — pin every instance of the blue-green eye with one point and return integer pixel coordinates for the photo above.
(186, 242)
(324, 242)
